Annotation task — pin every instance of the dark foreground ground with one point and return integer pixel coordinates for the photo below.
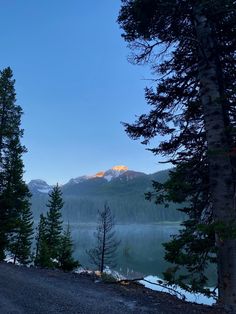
(30, 291)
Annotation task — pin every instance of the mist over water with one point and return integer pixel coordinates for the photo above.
(140, 252)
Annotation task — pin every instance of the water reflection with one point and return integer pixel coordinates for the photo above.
(140, 252)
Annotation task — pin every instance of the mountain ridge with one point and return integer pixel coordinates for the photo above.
(110, 174)
(124, 191)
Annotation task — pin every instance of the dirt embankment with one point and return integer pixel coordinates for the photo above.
(36, 291)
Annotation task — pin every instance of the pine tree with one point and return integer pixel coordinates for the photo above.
(54, 222)
(42, 256)
(104, 252)
(66, 260)
(21, 221)
(14, 193)
(21, 241)
(49, 232)
(193, 109)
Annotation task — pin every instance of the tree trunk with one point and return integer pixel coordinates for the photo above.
(2, 126)
(103, 246)
(220, 166)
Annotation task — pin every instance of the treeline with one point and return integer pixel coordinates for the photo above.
(127, 210)
(54, 248)
(53, 245)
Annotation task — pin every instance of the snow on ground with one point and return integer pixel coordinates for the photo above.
(10, 259)
(81, 270)
(190, 297)
(107, 270)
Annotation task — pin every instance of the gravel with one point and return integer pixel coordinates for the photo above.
(34, 291)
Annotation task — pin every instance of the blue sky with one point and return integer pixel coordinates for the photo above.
(75, 86)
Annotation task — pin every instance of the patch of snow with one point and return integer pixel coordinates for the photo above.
(114, 173)
(10, 259)
(79, 179)
(107, 270)
(190, 297)
(108, 177)
(81, 270)
(39, 186)
(113, 273)
(44, 190)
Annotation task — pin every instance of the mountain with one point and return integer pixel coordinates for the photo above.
(113, 173)
(39, 186)
(122, 188)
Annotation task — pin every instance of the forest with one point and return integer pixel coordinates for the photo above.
(189, 47)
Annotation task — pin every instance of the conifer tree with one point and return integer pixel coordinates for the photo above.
(21, 241)
(54, 222)
(21, 221)
(104, 252)
(66, 260)
(49, 232)
(190, 46)
(14, 193)
(42, 256)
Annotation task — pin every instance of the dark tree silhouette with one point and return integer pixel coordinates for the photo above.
(54, 248)
(14, 193)
(104, 253)
(191, 48)
(54, 222)
(66, 260)
(21, 238)
(42, 256)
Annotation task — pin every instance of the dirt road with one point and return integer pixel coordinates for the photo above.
(35, 291)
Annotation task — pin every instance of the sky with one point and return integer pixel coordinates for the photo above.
(75, 86)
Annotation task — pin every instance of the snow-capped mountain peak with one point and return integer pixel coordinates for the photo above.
(120, 168)
(39, 186)
(108, 175)
(117, 172)
(114, 172)
(79, 179)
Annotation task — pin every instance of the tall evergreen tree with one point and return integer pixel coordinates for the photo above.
(193, 108)
(14, 193)
(42, 256)
(21, 220)
(66, 260)
(49, 236)
(54, 222)
(21, 239)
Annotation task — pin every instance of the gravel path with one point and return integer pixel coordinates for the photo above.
(35, 291)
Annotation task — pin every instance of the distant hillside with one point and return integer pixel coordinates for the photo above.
(123, 189)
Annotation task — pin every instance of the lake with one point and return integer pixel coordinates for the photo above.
(140, 252)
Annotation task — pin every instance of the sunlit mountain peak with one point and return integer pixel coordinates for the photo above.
(120, 168)
(100, 174)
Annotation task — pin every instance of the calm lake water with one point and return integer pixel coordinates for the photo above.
(140, 251)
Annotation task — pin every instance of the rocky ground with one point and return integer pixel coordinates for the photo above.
(33, 291)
